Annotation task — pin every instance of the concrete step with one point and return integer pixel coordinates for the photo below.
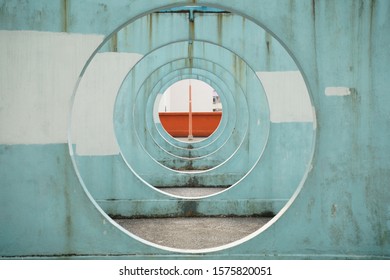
(192, 192)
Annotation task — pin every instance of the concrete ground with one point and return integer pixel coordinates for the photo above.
(193, 233)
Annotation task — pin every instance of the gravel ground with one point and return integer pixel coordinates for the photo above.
(193, 233)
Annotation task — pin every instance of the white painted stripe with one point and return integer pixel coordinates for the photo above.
(38, 71)
(92, 119)
(337, 91)
(287, 95)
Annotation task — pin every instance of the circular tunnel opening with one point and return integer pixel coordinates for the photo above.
(276, 168)
(190, 110)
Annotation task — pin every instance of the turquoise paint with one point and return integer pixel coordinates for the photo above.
(341, 210)
(54, 207)
(248, 152)
(275, 178)
(261, 55)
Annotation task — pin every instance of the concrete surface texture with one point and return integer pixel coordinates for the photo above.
(304, 133)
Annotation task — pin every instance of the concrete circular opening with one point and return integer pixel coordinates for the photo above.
(277, 164)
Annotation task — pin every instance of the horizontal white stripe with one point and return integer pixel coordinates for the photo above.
(337, 91)
(38, 71)
(287, 95)
(92, 120)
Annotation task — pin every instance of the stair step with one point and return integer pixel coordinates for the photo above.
(192, 192)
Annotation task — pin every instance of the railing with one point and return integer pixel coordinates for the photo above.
(203, 123)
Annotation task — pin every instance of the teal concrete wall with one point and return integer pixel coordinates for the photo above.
(267, 188)
(339, 208)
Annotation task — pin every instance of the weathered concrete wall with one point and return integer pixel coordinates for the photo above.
(340, 210)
